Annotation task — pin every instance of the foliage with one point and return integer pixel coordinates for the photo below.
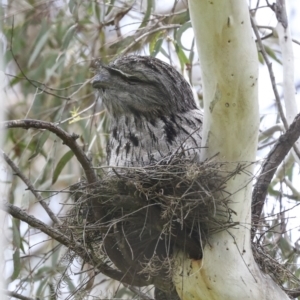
(50, 50)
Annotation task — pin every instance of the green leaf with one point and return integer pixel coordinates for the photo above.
(97, 10)
(40, 143)
(70, 284)
(73, 7)
(163, 51)
(68, 36)
(41, 288)
(260, 58)
(272, 54)
(157, 47)
(16, 233)
(110, 6)
(150, 4)
(179, 33)
(123, 43)
(17, 264)
(155, 44)
(17, 239)
(61, 164)
(181, 55)
(38, 47)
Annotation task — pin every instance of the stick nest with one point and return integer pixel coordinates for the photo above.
(136, 217)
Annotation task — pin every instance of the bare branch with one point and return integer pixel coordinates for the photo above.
(138, 292)
(272, 76)
(160, 28)
(275, 157)
(268, 132)
(68, 139)
(18, 296)
(76, 247)
(293, 293)
(31, 188)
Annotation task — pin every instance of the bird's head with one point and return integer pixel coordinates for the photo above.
(143, 86)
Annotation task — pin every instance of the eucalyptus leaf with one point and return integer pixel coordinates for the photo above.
(61, 164)
(38, 48)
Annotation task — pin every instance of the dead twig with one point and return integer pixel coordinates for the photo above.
(31, 188)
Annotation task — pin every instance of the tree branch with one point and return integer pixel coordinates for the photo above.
(18, 296)
(275, 157)
(76, 247)
(68, 139)
(160, 28)
(31, 188)
(109, 242)
(293, 293)
(272, 76)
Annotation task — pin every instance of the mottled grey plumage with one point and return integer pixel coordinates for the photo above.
(153, 112)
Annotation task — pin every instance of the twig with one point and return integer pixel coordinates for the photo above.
(68, 139)
(44, 85)
(22, 72)
(148, 33)
(296, 42)
(31, 188)
(76, 247)
(274, 158)
(266, 145)
(272, 76)
(268, 132)
(293, 293)
(138, 292)
(18, 296)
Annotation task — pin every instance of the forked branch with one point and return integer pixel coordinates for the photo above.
(273, 160)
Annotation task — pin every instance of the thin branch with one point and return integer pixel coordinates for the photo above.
(268, 132)
(166, 27)
(272, 76)
(31, 188)
(18, 296)
(44, 85)
(22, 72)
(293, 293)
(75, 246)
(68, 139)
(138, 292)
(266, 145)
(274, 158)
(296, 42)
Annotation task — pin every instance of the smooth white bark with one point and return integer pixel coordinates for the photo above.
(3, 187)
(228, 59)
(289, 91)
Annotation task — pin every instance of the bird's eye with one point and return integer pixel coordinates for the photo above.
(134, 80)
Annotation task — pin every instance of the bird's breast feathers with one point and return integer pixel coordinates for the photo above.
(139, 142)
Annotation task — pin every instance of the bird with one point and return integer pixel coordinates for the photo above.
(152, 110)
(153, 115)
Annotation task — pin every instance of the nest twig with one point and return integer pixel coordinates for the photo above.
(150, 210)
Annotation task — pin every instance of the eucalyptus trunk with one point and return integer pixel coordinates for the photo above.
(229, 63)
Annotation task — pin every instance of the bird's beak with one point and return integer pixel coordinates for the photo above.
(101, 80)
